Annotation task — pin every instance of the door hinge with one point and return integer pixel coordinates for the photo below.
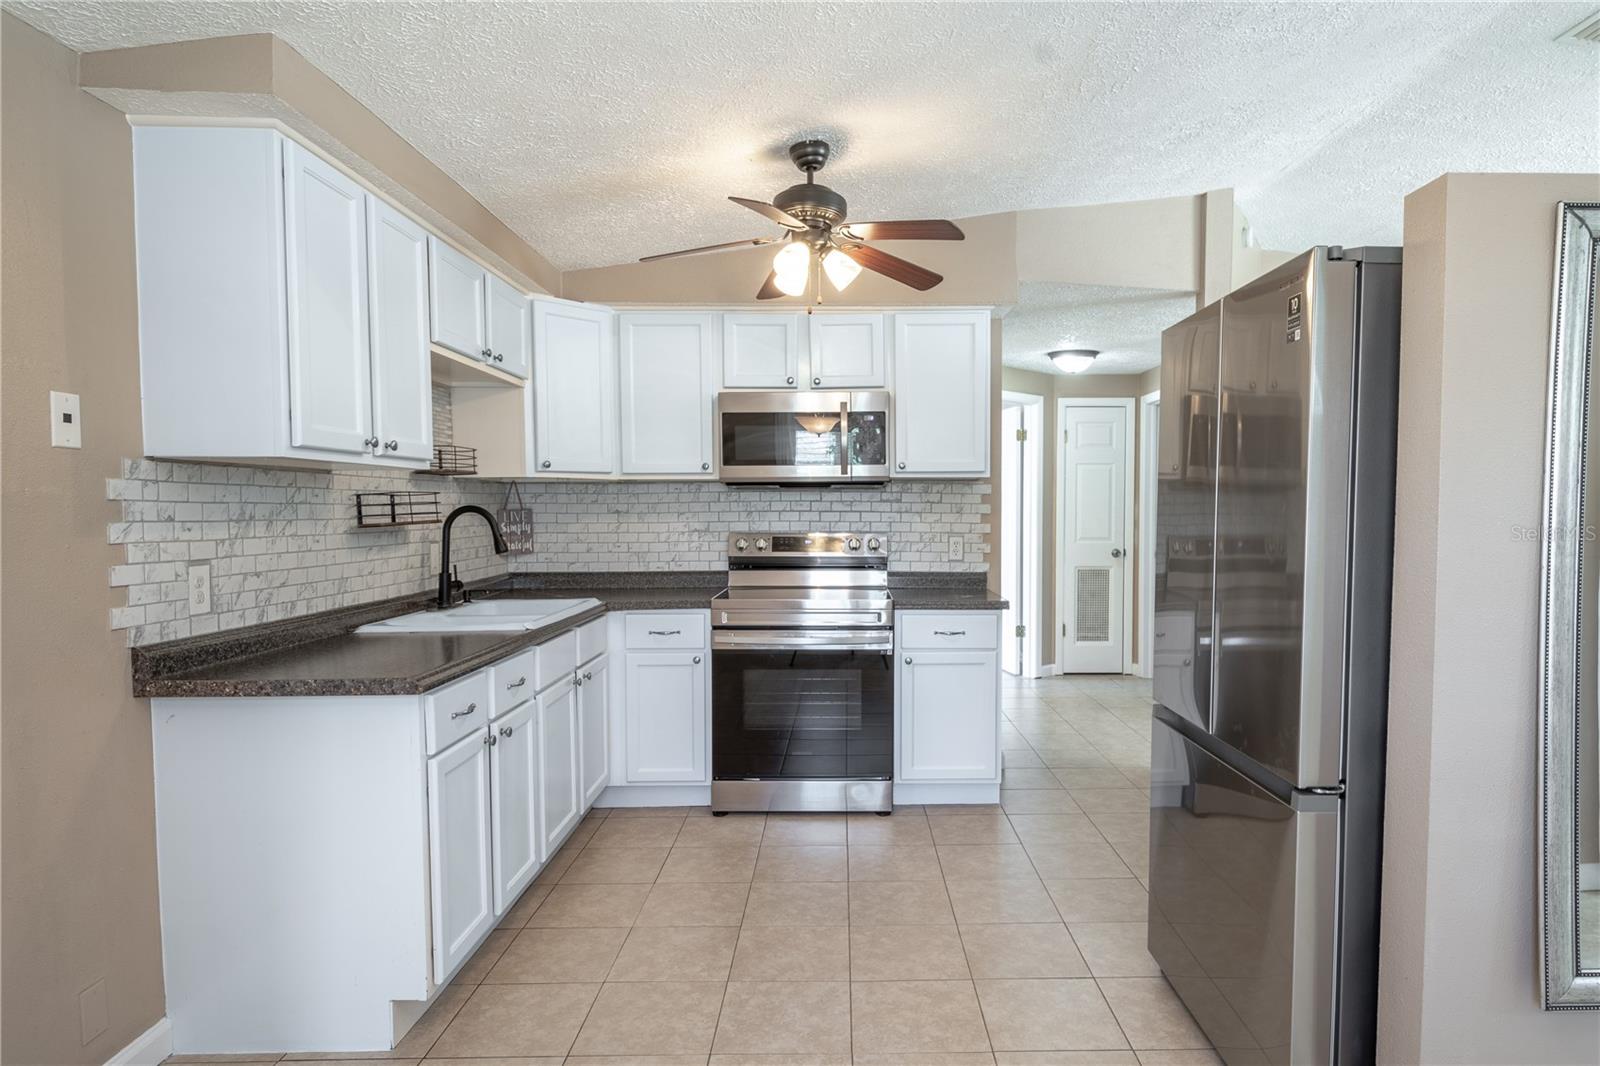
(1022, 631)
(1063, 436)
(1063, 629)
(1022, 434)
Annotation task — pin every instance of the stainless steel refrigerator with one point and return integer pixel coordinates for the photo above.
(1274, 524)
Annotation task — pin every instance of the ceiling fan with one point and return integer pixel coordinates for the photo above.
(819, 240)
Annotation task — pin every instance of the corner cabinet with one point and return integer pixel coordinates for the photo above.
(668, 379)
(947, 697)
(941, 393)
(574, 394)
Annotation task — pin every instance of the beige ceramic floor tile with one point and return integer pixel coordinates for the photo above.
(483, 960)
(557, 865)
(906, 953)
(961, 810)
(1022, 951)
(971, 829)
(798, 903)
(1124, 827)
(1020, 758)
(986, 862)
(734, 864)
(660, 812)
(1155, 1057)
(927, 1058)
(792, 953)
(1048, 1016)
(901, 827)
(1061, 860)
(804, 829)
(616, 866)
(1101, 778)
(636, 833)
(989, 902)
(1099, 899)
(1152, 1015)
(419, 1038)
(518, 914)
(1063, 828)
(1063, 1058)
(722, 832)
(675, 953)
(506, 1020)
(785, 1017)
(899, 903)
(590, 906)
(1095, 800)
(658, 1018)
(558, 956)
(519, 1060)
(694, 904)
(811, 862)
(916, 1016)
(917, 862)
(841, 1059)
(1115, 949)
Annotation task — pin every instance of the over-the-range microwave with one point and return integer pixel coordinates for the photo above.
(803, 438)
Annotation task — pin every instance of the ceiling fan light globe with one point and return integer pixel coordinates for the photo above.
(791, 269)
(1073, 360)
(840, 268)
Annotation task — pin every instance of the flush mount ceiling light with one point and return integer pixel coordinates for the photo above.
(818, 423)
(814, 216)
(1073, 360)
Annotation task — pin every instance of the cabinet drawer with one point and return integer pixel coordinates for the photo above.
(451, 712)
(558, 657)
(918, 630)
(653, 631)
(591, 639)
(514, 680)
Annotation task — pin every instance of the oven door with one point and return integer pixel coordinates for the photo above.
(793, 705)
(805, 437)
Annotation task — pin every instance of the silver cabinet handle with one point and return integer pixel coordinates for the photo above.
(705, 466)
(816, 381)
(908, 660)
(505, 731)
(665, 632)
(949, 632)
(788, 381)
(471, 707)
(545, 464)
(392, 446)
(900, 465)
(518, 683)
(697, 660)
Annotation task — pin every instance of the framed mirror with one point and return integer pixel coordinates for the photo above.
(1570, 629)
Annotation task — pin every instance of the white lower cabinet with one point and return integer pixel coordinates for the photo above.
(947, 692)
(667, 717)
(559, 801)
(594, 732)
(459, 850)
(514, 806)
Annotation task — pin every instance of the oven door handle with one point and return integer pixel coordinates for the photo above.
(844, 438)
(780, 640)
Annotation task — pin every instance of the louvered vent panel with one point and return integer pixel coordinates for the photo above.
(1587, 31)
(1094, 606)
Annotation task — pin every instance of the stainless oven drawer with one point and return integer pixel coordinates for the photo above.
(810, 619)
(802, 640)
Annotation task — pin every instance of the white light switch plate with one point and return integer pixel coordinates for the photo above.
(66, 424)
(199, 589)
(956, 550)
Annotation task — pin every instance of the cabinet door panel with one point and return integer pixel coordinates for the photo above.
(847, 351)
(667, 364)
(509, 325)
(330, 380)
(941, 393)
(949, 725)
(574, 390)
(558, 766)
(402, 385)
(459, 850)
(594, 727)
(761, 351)
(455, 300)
(514, 766)
(666, 717)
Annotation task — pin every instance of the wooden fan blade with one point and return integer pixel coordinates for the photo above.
(781, 217)
(769, 289)
(751, 243)
(920, 229)
(892, 266)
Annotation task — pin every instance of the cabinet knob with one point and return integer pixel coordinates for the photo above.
(900, 465)
(1116, 553)
(908, 660)
(493, 740)
(370, 442)
(705, 466)
(505, 731)
(392, 446)
(788, 381)
(587, 676)
(816, 381)
(486, 355)
(499, 358)
(697, 660)
(545, 464)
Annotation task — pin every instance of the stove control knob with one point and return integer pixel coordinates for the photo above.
(854, 544)
(741, 544)
(873, 544)
(761, 544)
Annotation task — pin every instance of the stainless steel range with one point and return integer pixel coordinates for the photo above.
(802, 675)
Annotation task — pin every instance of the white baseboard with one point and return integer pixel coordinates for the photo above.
(654, 796)
(148, 1048)
(939, 793)
(1589, 877)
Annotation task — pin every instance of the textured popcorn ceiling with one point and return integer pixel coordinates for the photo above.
(602, 132)
(1123, 325)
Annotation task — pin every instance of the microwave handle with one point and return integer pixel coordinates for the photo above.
(844, 438)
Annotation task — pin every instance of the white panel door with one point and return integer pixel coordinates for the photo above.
(941, 393)
(665, 717)
(594, 732)
(949, 727)
(761, 351)
(330, 377)
(847, 352)
(509, 325)
(402, 377)
(574, 390)
(459, 850)
(557, 779)
(456, 288)
(1094, 542)
(667, 364)
(514, 803)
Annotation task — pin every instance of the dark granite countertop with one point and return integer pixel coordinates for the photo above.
(322, 655)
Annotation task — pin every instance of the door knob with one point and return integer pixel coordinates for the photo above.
(1116, 553)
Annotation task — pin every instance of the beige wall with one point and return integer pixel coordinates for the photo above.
(79, 882)
(1151, 244)
(1458, 974)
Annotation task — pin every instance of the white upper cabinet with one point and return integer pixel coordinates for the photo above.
(847, 351)
(762, 350)
(668, 366)
(456, 291)
(574, 390)
(329, 357)
(397, 276)
(941, 393)
(509, 324)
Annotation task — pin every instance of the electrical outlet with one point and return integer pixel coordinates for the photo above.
(66, 421)
(92, 1015)
(199, 589)
(956, 551)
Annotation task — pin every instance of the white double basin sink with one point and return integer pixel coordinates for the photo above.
(489, 616)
